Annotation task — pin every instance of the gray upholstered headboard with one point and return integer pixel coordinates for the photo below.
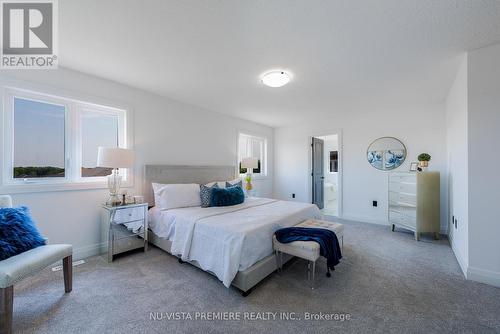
(183, 174)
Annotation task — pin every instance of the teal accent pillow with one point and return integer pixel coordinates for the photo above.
(18, 232)
(227, 196)
(206, 194)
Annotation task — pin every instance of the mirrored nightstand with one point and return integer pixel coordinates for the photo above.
(124, 228)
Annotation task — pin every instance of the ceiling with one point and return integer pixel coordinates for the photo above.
(344, 55)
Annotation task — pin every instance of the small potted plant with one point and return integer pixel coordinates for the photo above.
(423, 160)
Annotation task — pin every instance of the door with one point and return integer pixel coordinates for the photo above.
(318, 171)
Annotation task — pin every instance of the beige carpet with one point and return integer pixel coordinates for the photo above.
(386, 282)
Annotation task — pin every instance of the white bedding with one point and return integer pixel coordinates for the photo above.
(224, 240)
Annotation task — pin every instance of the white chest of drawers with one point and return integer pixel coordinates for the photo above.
(414, 202)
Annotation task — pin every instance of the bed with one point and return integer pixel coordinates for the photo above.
(233, 243)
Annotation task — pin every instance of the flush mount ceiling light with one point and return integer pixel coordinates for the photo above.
(275, 78)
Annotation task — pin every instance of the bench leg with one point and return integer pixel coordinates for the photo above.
(313, 274)
(68, 273)
(278, 264)
(6, 306)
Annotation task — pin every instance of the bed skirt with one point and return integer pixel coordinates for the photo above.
(244, 280)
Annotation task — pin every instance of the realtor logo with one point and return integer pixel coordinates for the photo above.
(28, 34)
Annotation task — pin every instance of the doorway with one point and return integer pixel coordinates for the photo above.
(325, 163)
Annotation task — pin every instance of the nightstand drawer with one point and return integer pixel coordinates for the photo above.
(116, 234)
(123, 245)
(128, 215)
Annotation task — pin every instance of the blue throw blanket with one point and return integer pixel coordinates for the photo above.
(327, 240)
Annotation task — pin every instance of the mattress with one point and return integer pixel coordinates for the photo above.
(225, 240)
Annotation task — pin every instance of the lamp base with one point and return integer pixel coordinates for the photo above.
(113, 200)
(114, 182)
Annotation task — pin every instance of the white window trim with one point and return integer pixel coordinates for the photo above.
(72, 179)
(264, 163)
(122, 139)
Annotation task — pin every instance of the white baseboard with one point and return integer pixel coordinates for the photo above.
(484, 276)
(460, 259)
(368, 220)
(87, 251)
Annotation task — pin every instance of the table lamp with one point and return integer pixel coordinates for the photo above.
(249, 164)
(112, 157)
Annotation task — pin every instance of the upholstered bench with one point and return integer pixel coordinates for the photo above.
(307, 250)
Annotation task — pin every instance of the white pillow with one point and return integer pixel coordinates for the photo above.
(171, 196)
(222, 184)
(233, 182)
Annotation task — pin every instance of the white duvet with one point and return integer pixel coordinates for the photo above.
(224, 240)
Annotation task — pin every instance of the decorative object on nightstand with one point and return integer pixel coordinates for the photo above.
(249, 164)
(413, 166)
(138, 199)
(113, 157)
(124, 228)
(423, 160)
(414, 202)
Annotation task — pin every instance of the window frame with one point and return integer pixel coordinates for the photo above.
(249, 148)
(122, 142)
(73, 142)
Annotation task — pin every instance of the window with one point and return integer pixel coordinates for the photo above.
(98, 129)
(51, 139)
(253, 147)
(38, 139)
(334, 161)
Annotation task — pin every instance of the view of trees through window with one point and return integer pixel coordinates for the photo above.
(38, 139)
(98, 129)
(39, 135)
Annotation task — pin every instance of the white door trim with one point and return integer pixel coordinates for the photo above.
(339, 134)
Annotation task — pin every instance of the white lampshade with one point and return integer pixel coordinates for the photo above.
(112, 157)
(249, 163)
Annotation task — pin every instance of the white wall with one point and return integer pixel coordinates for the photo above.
(166, 132)
(420, 129)
(456, 139)
(484, 162)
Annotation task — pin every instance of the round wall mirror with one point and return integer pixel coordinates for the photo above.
(386, 153)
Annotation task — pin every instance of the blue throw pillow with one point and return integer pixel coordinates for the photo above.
(18, 232)
(206, 194)
(227, 196)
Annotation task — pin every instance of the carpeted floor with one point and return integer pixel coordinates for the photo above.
(386, 283)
